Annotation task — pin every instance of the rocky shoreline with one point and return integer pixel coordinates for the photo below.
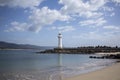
(83, 50)
(108, 56)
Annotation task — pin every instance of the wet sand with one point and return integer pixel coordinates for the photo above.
(108, 73)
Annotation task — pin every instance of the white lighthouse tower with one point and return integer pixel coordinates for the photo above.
(60, 41)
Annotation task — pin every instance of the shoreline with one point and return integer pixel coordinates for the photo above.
(17, 49)
(79, 50)
(108, 73)
(113, 53)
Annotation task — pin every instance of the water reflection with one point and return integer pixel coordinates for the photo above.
(60, 60)
(59, 74)
(60, 64)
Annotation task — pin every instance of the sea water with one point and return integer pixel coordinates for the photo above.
(29, 65)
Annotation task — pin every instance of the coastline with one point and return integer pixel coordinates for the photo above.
(17, 49)
(81, 50)
(108, 73)
(113, 53)
(12, 49)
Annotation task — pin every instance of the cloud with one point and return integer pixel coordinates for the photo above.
(20, 3)
(106, 8)
(117, 1)
(16, 26)
(112, 14)
(111, 27)
(89, 14)
(93, 22)
(89, 36)
(44, 16)
(38, 19)
(41, 17)
(90, 7)
(63, 28)
(104, 38)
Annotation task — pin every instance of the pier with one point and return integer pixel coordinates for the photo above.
(83, 50)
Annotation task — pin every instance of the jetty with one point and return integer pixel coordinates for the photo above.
(83, 50)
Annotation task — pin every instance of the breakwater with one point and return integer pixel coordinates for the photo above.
(85, 50)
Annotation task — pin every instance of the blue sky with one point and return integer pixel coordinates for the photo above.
(81, 22)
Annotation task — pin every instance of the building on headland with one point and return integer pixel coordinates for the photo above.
(59, 41)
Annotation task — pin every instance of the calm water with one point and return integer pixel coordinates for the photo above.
(27, 65)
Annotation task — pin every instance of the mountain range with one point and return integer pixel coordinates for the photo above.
(7, 45)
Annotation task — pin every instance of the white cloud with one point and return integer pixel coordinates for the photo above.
(35, 28)
(63, 28)
(45, 16)
(109, 11)
(16, 26)
(104, 38)
(88, 9)
(111, 27)
(89, 14)
(97, 4)
(117, 1)
(112, 14)
(106, 8)
(93, 22)
(20, 3)
(38, 19)
(89, 36)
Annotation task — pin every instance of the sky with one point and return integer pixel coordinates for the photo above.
(81, 22)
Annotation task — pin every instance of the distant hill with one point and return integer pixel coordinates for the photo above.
(7, 45)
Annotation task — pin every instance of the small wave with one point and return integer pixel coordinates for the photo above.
(57, 72)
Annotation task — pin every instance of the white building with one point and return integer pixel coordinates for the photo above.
(60, 40)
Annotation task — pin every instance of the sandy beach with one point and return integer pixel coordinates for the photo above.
(108, 73)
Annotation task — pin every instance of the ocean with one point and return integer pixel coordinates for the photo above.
(29, 65)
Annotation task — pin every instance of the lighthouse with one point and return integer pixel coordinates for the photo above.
(60, 41)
